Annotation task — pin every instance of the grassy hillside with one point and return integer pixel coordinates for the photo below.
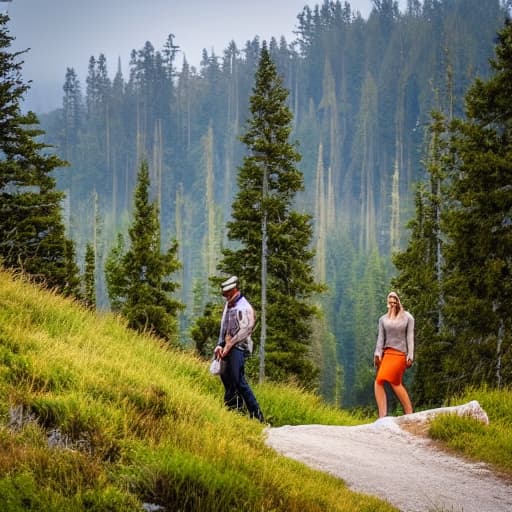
(95, 417)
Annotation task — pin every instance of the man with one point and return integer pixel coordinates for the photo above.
(234, 346)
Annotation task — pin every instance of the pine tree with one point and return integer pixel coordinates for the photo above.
(139, 280)
(72, 111)
(205, 330)
(32, 234)
(457, 271)
(89, 277)
(114, 274)
(269, 230)
(419, 266)
(478, 265)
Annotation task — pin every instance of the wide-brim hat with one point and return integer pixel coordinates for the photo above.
(229, 284)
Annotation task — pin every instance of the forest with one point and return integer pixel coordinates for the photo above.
(373, 103)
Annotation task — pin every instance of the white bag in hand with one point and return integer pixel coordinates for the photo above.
(216, 367)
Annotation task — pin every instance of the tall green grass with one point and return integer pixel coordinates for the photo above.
(488, 443)
(95, 417)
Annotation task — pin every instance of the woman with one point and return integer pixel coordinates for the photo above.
(393, 354)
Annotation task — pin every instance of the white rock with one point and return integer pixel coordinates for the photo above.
(472, 409)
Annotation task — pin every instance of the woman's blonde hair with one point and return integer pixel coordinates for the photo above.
(400, 307)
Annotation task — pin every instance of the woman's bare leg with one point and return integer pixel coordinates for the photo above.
(403, 396)
(380, 398)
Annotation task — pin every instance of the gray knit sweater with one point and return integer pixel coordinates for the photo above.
(397, 333)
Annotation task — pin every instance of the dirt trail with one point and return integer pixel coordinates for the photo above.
(384, 460)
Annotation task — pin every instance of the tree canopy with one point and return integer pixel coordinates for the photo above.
(465, 311)
(32, 235)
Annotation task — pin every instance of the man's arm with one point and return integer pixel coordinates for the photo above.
(221, 341)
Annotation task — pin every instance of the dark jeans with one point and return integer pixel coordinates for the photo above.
(237, 390)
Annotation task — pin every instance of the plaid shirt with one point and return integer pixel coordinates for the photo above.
(238, 320)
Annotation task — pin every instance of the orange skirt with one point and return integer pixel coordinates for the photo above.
(392, 367)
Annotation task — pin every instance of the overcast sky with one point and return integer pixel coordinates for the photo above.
(65, 33)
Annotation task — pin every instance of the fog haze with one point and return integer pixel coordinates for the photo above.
(66, 33)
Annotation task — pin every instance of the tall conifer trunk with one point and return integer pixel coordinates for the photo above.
(210, 252)
(158, 163)
(320, 217)
(395, 199)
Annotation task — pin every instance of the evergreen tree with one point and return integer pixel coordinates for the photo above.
(32, 234)
(89, 277)
(478, 264)
(460, 290)
(72, 111)
(139, 280)
(71, 286)
(205, 330)
(268, 181)
(114, 274)
(419, 266)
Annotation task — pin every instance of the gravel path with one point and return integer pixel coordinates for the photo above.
(383, 460)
